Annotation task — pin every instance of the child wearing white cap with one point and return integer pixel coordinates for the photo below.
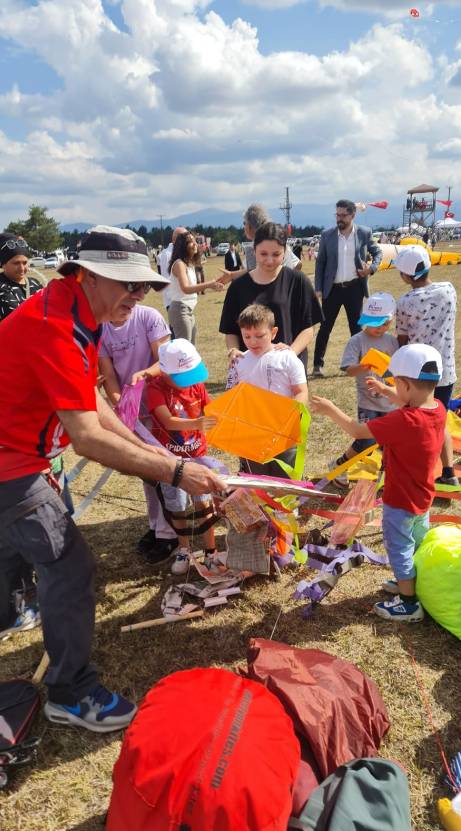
(412, 437)
(376, 319)
(175, 401)
(427, 314)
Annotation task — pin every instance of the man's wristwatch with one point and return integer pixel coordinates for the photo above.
(178, 471)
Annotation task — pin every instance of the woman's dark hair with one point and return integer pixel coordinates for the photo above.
(270, 231)
(179, 251)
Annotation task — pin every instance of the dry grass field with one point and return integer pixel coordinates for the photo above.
(69, 787)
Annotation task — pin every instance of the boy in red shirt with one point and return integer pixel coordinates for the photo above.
(412, 437)
(175, 401)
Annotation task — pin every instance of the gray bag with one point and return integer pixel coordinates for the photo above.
(362, 795)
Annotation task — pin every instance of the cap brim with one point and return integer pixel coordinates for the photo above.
(126, 272)
(193, 376)
(367, 320)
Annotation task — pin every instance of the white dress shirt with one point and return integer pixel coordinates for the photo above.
(346, 258)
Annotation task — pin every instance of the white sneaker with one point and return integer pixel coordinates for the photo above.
(181, 562)
(342, 479)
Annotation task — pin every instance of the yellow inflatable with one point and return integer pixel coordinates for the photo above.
(437, 257)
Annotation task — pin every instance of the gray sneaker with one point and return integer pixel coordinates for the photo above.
(27, 619)
(318, 372)
(390, 586)
(100, 711)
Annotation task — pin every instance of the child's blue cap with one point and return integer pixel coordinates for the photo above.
(377, 309)
(182, 363)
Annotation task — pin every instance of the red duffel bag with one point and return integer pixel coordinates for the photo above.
(335, 707)
(207, 751)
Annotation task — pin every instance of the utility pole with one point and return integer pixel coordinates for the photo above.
(160, 216)
(286, 207)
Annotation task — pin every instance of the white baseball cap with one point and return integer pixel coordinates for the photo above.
(413, 260)
(180, 360)
(377, 309)
(418, 361)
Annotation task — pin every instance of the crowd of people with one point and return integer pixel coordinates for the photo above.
(90, 332)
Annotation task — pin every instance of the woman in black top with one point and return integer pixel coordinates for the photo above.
(288, 293)
(15, 285)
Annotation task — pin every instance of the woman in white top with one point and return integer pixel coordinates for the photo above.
(184, 288)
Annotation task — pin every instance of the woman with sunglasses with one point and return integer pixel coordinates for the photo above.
(15, 285)
(184, 288)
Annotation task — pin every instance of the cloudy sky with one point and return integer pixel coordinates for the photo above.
(116, 109)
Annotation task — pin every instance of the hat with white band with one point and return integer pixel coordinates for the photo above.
(115, 253)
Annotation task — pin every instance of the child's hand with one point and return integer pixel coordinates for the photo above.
(376, 386)
(207, 422)
(217, 285)
(233, 355)
(320, 405)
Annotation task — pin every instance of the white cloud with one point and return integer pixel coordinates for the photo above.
(182, 111)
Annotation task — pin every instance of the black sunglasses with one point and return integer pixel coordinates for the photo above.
(132, 287)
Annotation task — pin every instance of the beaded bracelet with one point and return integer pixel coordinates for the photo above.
(178, 471)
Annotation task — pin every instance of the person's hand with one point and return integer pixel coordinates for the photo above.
(318, 295)
(217, 285)
(207, 422)
(281, 346)
(197, 479)
(365, 271)
(233, 355)
(138, 376)
(319, 405)
(376, 386)
(225, 277)
(364, 368)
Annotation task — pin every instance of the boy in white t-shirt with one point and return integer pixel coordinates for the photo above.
(427, 314)
(269, 366)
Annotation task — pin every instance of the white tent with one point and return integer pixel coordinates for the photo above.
(448, 223)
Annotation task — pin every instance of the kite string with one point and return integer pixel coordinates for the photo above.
(425, 700)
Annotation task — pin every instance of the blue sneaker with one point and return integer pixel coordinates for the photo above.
(396, 610)
(100, 711)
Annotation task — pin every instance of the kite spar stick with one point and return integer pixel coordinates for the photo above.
(160, 621)
(37, 677)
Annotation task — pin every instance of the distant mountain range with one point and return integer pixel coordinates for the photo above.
(301, 215)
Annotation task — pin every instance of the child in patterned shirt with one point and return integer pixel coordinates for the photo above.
(426, 314)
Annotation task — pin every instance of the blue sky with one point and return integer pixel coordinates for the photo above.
(127, 108)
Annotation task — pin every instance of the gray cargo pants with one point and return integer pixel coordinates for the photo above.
(35, 527)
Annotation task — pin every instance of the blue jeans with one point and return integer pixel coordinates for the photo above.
(364, 415)
(403, 532)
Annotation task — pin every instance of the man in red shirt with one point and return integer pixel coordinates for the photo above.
(48, 399)
(412, 437)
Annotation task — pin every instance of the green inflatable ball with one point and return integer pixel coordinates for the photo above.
(438, 576)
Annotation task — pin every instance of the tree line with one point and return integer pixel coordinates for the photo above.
(42, 232)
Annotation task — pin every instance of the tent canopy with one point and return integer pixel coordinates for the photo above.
(448, 223)
(423, 189)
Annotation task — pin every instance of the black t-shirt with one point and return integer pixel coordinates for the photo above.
(13, 294)
(291, 297)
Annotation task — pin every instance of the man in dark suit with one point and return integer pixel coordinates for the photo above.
(232, 260)
(341, 273)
